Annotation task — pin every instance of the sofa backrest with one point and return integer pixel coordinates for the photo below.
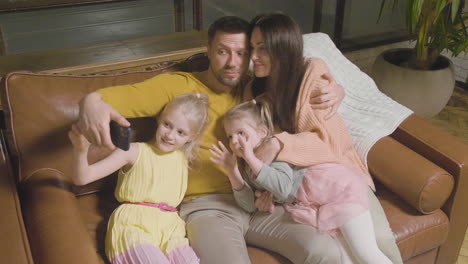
(40, 108)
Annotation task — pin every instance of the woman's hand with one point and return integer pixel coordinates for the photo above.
(264, 201)
(327, 96)
(78, 140)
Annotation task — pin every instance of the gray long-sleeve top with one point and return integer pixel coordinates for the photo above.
(279, 178)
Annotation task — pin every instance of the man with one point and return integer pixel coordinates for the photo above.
(217, 228)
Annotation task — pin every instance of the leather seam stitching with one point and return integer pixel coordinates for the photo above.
(420, 194)
(44, 169)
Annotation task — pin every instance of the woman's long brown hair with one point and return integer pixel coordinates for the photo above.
(282, 40)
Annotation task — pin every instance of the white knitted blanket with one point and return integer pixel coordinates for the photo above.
(368, 113)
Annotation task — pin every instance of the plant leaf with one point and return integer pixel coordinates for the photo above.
(454, 9)
(436, 25)
(440, 5)
(415, 9)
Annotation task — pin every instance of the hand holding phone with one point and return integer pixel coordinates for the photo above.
(120, 135)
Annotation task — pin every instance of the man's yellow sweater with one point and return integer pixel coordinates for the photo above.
(148, 99)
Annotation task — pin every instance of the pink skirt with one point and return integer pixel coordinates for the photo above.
(330, 195)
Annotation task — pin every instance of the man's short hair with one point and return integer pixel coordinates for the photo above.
(228, 24)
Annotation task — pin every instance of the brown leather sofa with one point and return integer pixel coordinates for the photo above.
(420, 170)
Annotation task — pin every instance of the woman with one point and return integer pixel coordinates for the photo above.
(287, 79)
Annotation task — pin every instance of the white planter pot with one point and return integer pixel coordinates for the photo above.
(424, 92)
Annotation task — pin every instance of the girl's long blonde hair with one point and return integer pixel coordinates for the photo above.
(194, 106)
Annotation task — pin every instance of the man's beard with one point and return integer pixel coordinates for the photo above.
(226, 81)
(229, 82)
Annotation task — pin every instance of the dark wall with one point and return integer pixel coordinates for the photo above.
(11, 5)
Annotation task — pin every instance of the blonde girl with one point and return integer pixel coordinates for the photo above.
(152, 181)
(330, 196)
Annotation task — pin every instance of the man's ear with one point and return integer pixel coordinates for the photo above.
(208, 49)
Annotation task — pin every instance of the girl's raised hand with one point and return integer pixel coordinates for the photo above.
(77, 139)
(223, 157)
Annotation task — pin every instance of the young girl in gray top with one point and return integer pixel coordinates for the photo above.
(330, 196)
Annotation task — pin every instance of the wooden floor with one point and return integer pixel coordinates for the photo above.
(463, 257)
(454, 118)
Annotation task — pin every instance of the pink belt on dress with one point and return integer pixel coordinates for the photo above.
(162, 206)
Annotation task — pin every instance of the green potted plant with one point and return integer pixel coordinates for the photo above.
(421, 78)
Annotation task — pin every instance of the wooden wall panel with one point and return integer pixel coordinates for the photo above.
(12, 5)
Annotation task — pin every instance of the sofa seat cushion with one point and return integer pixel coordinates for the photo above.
(97, 207)
(258, 255)
(415, 233)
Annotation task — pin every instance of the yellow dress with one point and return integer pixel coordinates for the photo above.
(148, 98)
(136, 230)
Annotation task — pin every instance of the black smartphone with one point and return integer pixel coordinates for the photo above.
(120, 135)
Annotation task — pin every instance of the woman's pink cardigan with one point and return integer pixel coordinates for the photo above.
(329, 141)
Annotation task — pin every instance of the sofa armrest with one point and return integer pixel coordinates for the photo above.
(56, 230)
(14, 245)
(451, 154)
(416, 180)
